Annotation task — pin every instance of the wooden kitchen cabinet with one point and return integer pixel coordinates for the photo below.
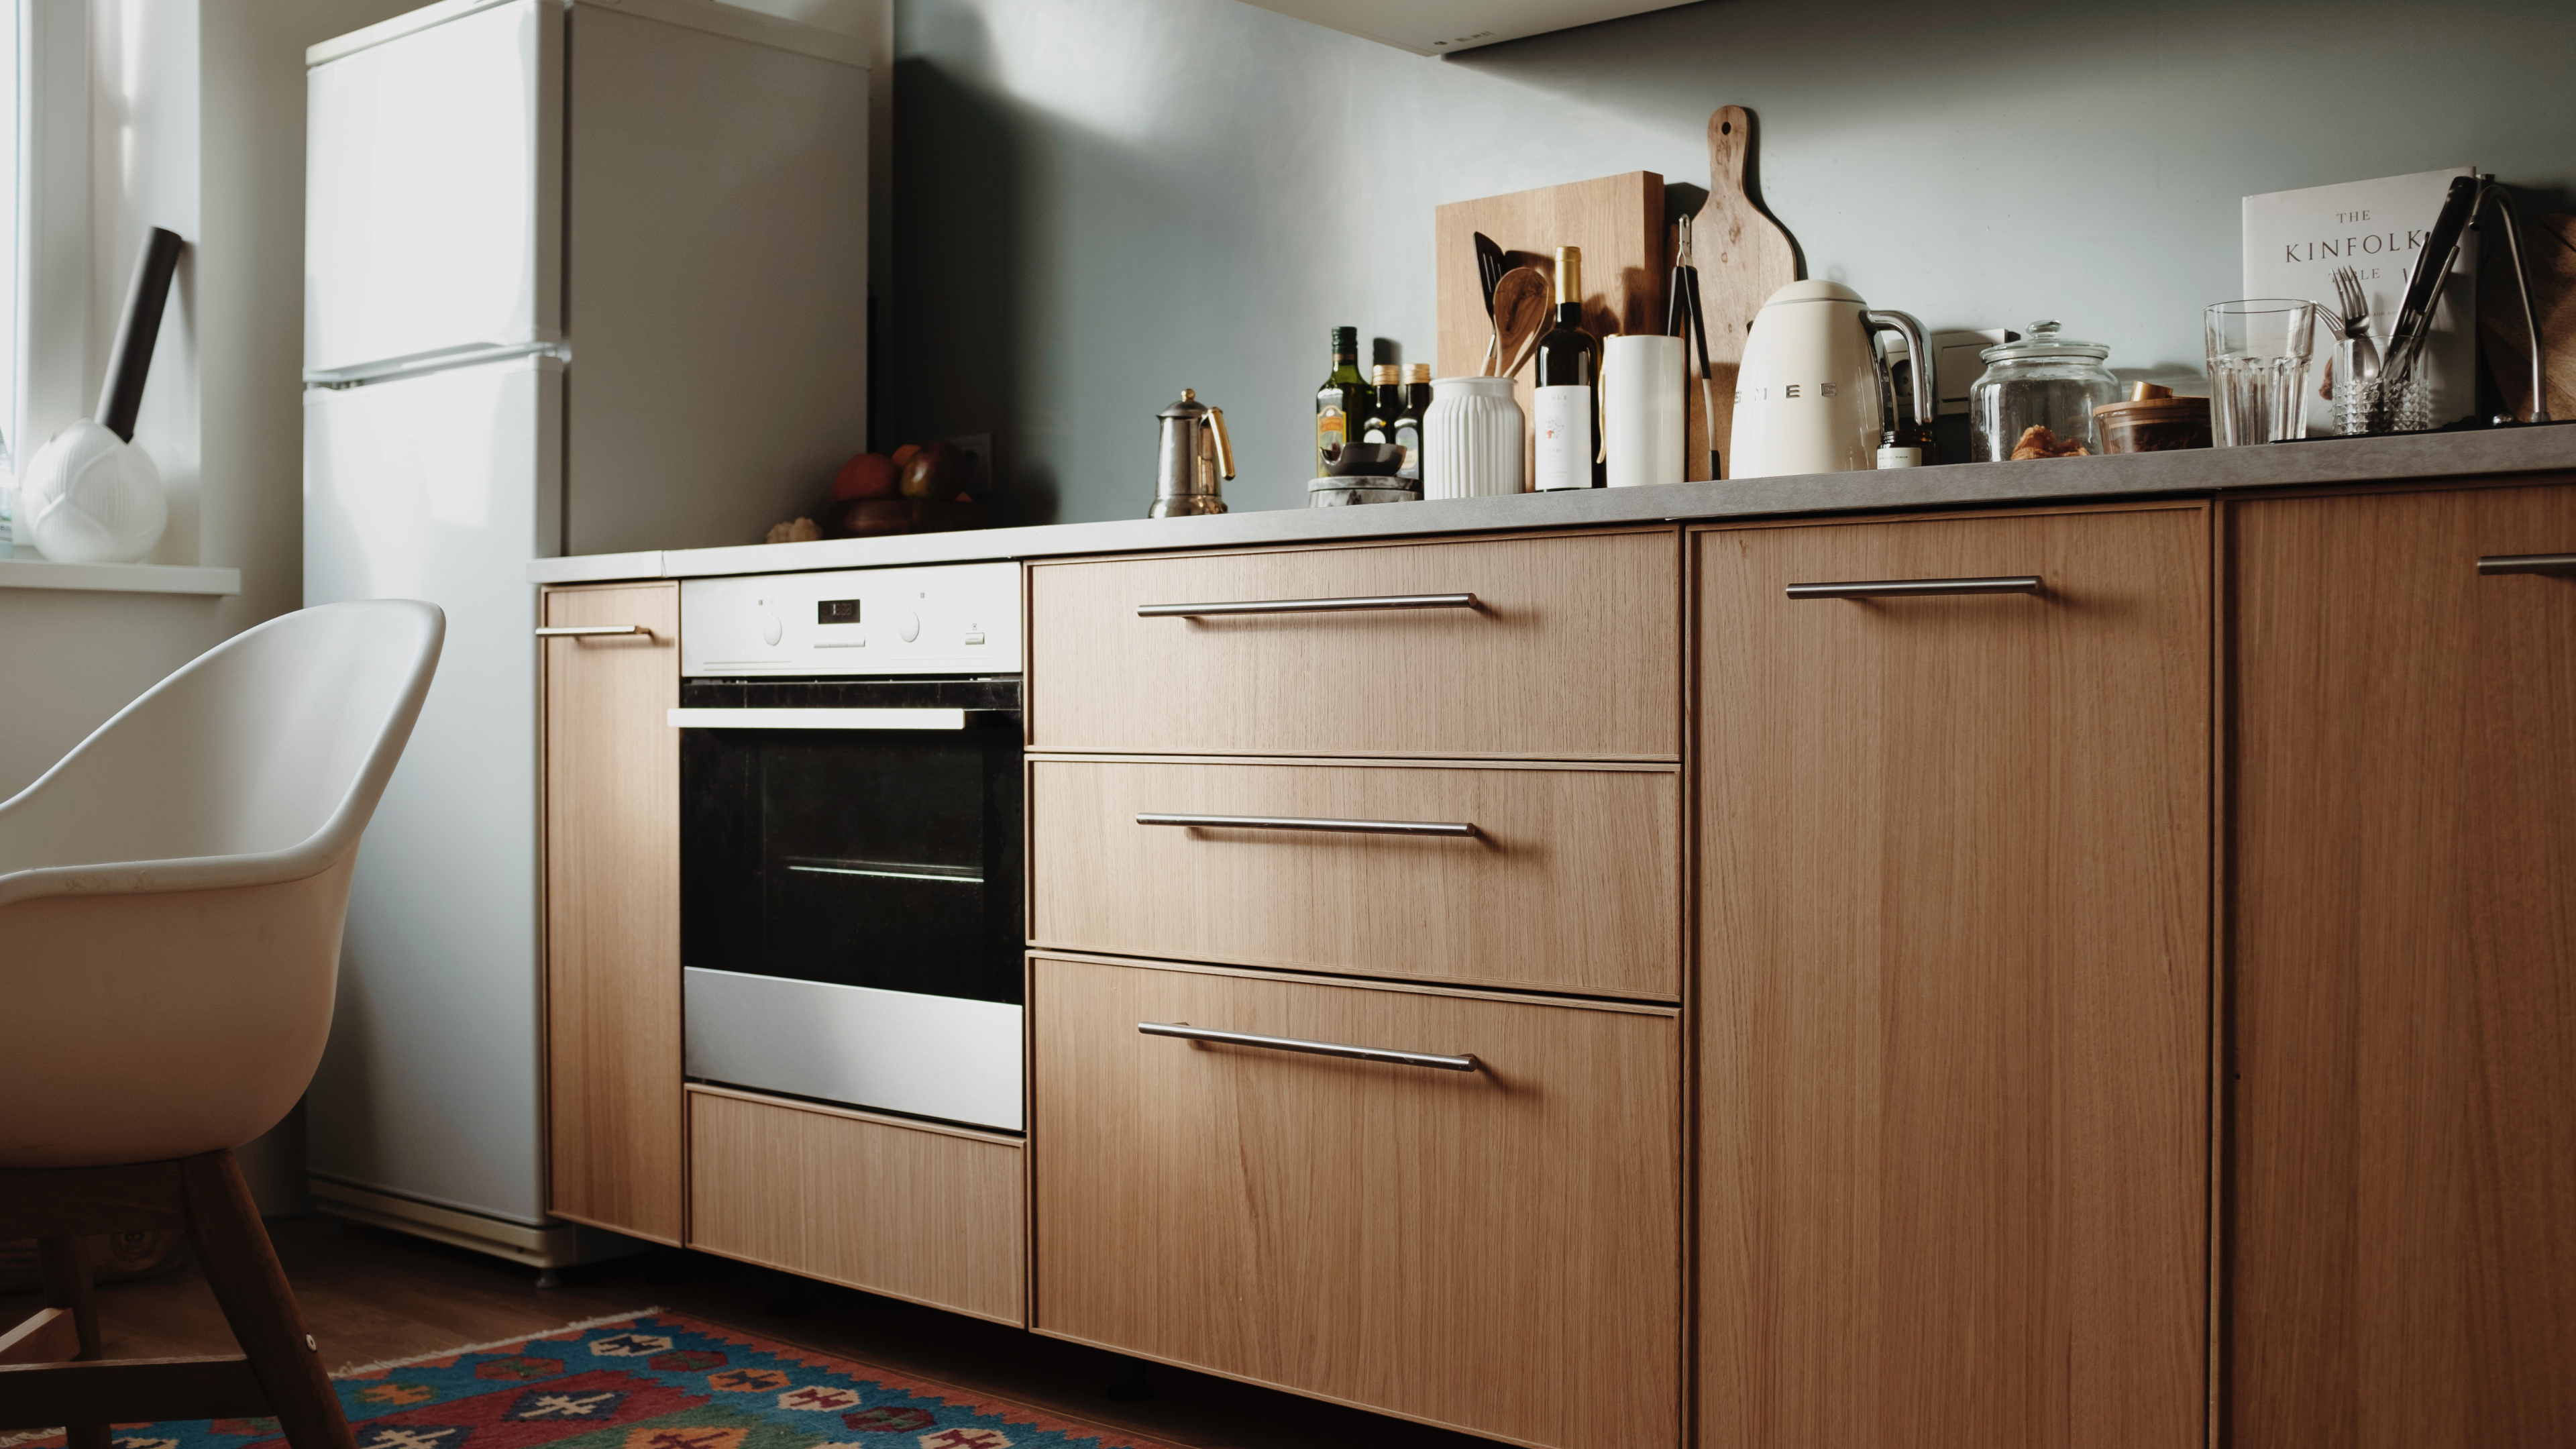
(1570, 881)
(926, 1212)
(2401, 1146)
(1954, 985)
(1497, 1249)
(612, 911)
(1568, 646)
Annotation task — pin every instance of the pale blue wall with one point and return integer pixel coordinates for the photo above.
(1099, 202)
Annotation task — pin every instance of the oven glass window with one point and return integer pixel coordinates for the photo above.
(880, 858)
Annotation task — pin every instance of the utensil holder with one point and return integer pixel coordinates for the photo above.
(1471, 438)
(2380, 405)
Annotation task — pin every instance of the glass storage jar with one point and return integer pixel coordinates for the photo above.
(2045, 380)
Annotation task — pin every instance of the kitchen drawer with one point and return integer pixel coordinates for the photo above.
(1571, 880)
(1496, 1249)
(932, 1215)
(1572, 648)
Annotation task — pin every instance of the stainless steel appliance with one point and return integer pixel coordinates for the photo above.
(850, 808)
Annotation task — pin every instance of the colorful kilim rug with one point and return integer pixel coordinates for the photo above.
(653, 1380)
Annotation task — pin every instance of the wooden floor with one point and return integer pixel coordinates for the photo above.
(370, 1295)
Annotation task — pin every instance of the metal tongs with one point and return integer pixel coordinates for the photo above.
(1683, 310)
(2470, 199)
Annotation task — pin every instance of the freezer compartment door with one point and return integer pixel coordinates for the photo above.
(441, 487)
(896, 1051)
(433, 193)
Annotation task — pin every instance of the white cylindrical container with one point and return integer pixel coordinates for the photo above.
(1471, 438)
(1642, 409)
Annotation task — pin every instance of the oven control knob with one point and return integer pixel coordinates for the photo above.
(770, 628)
(909, 626)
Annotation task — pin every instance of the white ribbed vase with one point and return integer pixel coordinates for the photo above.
(1471, 438)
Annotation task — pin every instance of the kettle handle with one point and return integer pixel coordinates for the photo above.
(1224, 449)
(1918, 351)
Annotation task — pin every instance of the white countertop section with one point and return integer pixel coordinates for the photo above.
(2054, 480)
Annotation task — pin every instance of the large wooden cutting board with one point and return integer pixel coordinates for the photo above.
(1618, 221)
(1743, 257)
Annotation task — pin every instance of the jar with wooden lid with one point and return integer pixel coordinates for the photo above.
(2152, 420)
(2037, 397)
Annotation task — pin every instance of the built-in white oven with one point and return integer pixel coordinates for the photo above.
(850, 808)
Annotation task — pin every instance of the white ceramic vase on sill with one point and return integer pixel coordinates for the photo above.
(1471, 438)
(91, 497)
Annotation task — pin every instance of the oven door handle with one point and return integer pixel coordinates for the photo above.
(817, 719)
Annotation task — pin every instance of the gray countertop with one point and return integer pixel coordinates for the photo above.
(2055, 480)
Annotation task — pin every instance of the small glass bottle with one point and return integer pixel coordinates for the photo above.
(1341, 401)
(1413, 399)
(1384, 404)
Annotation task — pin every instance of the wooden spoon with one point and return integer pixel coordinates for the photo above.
(1520, 310)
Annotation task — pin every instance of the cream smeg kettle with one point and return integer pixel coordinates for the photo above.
(1812, 393)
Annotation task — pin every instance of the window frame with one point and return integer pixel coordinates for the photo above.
(51, 220)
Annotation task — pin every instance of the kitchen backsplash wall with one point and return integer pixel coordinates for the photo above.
(1097, 205)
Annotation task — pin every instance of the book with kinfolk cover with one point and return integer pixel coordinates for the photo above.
(2295, 241)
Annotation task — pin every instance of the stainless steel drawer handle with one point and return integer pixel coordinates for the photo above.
(1308, 606)
(1187, 1032)
(2528, 563)
(593, 631)
(1299, 822)
(1916, 588)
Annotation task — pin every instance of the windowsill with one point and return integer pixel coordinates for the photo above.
(37, 573)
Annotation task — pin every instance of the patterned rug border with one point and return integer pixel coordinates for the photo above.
(1010, 1411)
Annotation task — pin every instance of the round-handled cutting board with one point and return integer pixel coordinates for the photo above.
(1743, 257)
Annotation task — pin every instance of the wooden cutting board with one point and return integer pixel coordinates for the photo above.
(1618, 221)
(1743, 257)
(2549, 249)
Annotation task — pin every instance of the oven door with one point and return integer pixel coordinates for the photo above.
(850, 902)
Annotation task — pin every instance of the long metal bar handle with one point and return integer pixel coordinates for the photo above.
(1300, 822)
(592, 631)
(1916, 588)
(2528, 563)
(1308, 606)
(1461, 1063)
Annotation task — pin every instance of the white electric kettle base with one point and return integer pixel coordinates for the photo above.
(1807, 392)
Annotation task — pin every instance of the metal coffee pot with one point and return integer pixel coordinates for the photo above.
(1194, 461)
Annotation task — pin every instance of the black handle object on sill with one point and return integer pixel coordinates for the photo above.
(127, 367)
(2560, 564)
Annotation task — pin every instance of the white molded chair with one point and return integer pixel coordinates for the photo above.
(171, 900)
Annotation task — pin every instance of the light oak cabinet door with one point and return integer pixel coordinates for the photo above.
(1954, 986)
(1570, 881)
(1571, 648)
(1497, 1250)
(612, 818)
(2402, 1132)
(935, 1215)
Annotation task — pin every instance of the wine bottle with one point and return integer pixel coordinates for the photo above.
(1384, 404)
(1414, 398)
(1341, 401)
(1569, 373)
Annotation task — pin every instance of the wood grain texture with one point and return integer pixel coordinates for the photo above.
(1743, 256)
(2403, 942)
(1497, 1251)
(1954, 987)
(48, 1335)
(612, 820)
(242, 1268)
(1572, 652)
(911, 1212)
(1618, 221)
(1572, 882)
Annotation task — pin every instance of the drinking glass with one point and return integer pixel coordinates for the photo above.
(2258, 369)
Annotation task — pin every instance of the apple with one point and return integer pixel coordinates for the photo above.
(935, 471)
(869, 475)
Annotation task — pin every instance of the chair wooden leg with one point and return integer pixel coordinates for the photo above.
(242, 1268)
(63, 1263)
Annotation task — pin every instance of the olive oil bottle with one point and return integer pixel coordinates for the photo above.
(1342, 402)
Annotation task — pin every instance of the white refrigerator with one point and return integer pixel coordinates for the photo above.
(584, 277)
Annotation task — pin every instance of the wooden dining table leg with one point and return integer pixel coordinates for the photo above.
(242, 1268)
(63, 1264)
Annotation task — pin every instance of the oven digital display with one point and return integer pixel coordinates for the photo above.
(836, 611)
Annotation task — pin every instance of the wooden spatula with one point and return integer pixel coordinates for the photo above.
(1744, 256)
(1520, 314)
